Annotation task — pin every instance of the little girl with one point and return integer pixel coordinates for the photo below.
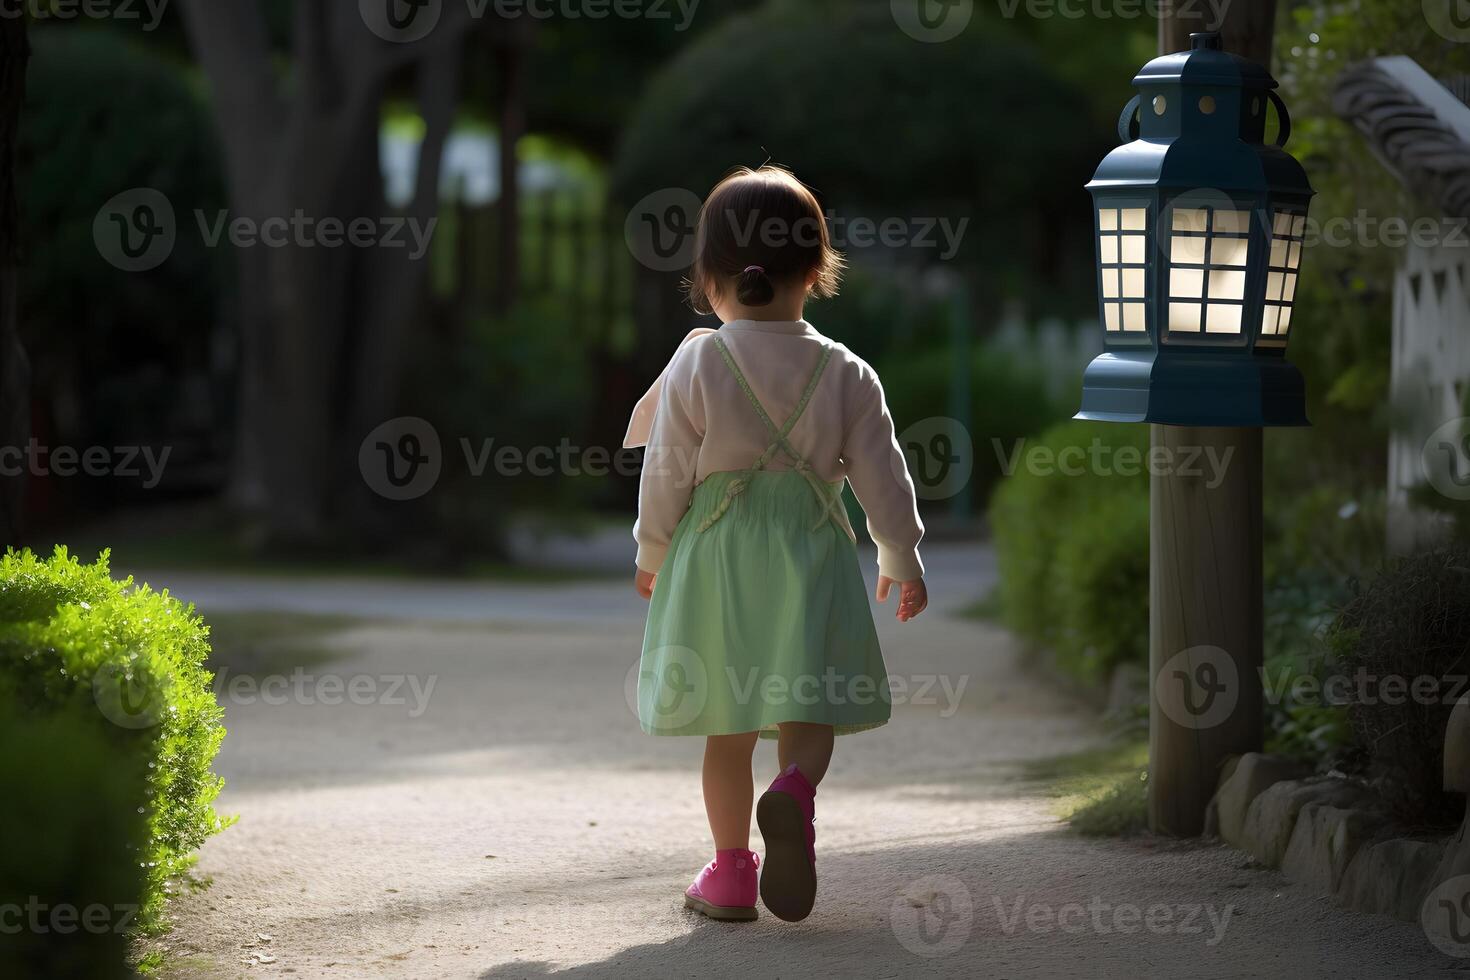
(759, 623)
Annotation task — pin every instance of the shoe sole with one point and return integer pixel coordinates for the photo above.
(721, 913)
(788, 879)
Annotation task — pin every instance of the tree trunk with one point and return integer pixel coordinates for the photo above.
(15, 372)
(322, 328)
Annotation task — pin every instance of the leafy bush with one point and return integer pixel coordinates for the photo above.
(1008, 402)
(1408, 629)
(1101, 588)
(130, 661)
(70, 821)
(1072, 547)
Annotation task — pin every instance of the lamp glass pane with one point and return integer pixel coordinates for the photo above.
(1133, 317)
(1107, 219)
(1183, 249)
(1287, 229)
(1229, 251)
(1133, 219)
(1187, 282)
(1190, 219)
(1223, 318)
(1227, 284)
(1184, 316)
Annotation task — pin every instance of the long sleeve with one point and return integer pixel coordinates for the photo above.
(880, 478)
(669, 464)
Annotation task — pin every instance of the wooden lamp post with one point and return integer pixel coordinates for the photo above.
(1199, 224)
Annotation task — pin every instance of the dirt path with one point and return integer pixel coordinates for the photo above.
(505, 818)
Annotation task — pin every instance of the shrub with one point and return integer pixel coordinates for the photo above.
(129, 661)
(1101, 588)
(1411, 622)
(69, 823)
(1008, 402)
(1052, 528)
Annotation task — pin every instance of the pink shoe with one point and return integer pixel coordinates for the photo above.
(785, 814)
(725, 889)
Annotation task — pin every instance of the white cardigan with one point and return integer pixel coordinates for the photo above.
(695, 421)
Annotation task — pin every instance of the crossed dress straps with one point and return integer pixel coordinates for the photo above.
(829, 498)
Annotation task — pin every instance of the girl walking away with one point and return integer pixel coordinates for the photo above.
(759, 623)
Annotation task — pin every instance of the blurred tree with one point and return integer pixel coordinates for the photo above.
(978, 128)
(322, 329)
(14, 368)
(108, 373)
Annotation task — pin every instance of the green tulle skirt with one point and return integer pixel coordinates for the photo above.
(759, 618)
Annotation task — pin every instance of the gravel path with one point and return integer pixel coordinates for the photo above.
(498, 814)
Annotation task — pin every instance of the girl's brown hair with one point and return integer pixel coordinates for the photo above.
(762, 228)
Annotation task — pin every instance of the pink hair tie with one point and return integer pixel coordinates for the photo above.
(753, 268)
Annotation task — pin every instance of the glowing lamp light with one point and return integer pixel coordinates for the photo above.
(1199, 224)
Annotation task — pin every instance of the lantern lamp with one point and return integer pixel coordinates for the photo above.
(1199, 225)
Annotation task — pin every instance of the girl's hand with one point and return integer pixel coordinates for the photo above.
(913, 597)
(643, 582)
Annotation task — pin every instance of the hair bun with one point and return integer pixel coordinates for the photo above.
(754, 287)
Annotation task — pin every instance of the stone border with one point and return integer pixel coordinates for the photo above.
(1331, 835)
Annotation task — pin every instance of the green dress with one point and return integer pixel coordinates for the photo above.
(760, 614)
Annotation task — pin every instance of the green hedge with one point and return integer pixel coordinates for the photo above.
(69, 890)
(1071, 541)
(129, 663)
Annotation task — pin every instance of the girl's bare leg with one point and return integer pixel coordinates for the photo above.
(807, 745)
(729, 790)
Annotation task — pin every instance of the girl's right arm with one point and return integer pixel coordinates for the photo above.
(669, 464)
